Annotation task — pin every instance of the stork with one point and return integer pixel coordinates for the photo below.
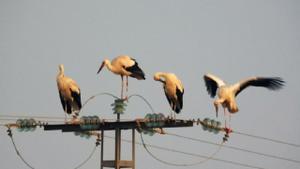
(227, 93)
(69, 93)
(173, 89)
(124, 66)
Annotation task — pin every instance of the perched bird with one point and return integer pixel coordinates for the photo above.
(228, 93)
(69, 93)
(173, 89)
(124, 66)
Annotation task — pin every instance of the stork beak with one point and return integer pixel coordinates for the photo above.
(101, 67)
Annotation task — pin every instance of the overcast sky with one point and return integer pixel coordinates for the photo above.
(233, 39)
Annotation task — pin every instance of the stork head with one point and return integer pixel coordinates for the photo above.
(61, 68)
(104, 63)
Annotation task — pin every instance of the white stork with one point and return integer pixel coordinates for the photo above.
(173, 89)
(124, 66)
(228, 93)
(69, 93)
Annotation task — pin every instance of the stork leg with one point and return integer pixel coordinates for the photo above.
(225, 117)
(122, 86)
(171, 113)
(216, 104)
(229, 123)
(174, 114)
(126, 88)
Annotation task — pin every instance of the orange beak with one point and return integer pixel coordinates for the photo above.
(101, 67)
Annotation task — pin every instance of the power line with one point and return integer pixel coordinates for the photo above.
(44, 121)
(233, 147)
(182, 164)
(10, 117)
(16, 149)
(44, 118)
(30, 166)
(190, 154)
(227, 146)
(39, 117)
(268, 139)
(87, 159)
(208, 142)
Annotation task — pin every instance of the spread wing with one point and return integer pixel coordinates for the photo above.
(212, 83)
(272, 83)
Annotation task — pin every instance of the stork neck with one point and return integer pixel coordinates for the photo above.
(162, 75)
(110, 66)
(61, 73)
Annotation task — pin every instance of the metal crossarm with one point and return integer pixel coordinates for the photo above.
(124, 125)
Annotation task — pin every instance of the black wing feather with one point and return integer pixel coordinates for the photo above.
(272, 83)
(136, 71)
(69, 107)
(211, 86)
(76, 96)
(179, 105)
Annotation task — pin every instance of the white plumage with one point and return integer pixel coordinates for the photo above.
(228, 93)
(69, 93)
(173, 89)
(124, 66)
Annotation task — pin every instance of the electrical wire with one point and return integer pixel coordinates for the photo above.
(178, 164)
(39, 117)
(226, 146)
(190, 154)
(87, 159)
(51, 117)
(96, 95)
(267, 139)
(16, 149)
(8, 117)
(42, 121)
(194, 139)
(203, 141)
(144, 99)
(11, 118)
(163, 161)
(30, 166)
(234, 148)
(57, 121)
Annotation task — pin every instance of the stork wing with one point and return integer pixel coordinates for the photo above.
(179, 95)
(212, 83)
(136, 71)
(76, 96)
(62, 100)
(272, 83)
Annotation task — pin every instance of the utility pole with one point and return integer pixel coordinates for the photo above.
(118, 126)
(94, 123)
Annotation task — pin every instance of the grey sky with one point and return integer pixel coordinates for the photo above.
(232, 39)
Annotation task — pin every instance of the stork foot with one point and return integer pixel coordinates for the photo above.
(227, 132)
(125, 98)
